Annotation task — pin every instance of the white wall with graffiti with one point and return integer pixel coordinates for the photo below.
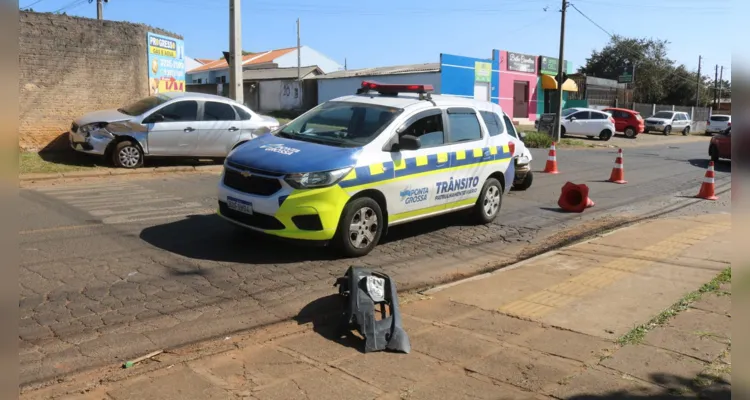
(280, 95)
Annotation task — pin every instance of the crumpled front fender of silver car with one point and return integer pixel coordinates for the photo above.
(140, 137)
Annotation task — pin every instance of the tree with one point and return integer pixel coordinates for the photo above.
(657, 78)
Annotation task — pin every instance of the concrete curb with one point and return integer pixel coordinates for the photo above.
(117, 172)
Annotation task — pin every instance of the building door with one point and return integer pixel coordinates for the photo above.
(520, 99)
(482, 91)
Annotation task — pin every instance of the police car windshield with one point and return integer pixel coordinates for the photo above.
(341, 124)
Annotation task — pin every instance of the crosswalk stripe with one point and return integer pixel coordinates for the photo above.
(127, 203)
(123, 219)
(115, 203)
(142, 210)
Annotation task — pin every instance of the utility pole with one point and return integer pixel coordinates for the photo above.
(235, 52)
(345, 68)
(698, 82)
(99, 10)
(560, 66)
(716, 83)
(721, 79)
(299, 54)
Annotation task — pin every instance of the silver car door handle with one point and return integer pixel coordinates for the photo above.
(232, 129)
(189, 129)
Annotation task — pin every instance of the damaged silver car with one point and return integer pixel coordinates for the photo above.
(174, 124)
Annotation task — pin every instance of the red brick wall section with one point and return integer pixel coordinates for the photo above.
(70, 66)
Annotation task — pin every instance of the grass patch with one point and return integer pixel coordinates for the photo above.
(637, 334)
(541, 140)
(537, 140)
(29, 162)
(574, 143)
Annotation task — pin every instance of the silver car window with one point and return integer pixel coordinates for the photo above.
(182, 111)
(215, 111)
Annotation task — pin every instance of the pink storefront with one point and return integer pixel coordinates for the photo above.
(518, 85)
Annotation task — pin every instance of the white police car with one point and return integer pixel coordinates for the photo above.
(348, 169)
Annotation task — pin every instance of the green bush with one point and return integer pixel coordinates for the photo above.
(537, 140)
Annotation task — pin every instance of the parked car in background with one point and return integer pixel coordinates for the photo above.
(175, 124)
(718, 123)
(588, 122)
(721, 145)
(629, 122)
(668, 121)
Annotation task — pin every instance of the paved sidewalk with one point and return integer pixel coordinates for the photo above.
(620, 316)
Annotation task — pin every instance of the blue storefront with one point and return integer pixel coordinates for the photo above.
(469, 77)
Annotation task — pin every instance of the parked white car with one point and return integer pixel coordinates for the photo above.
(587, 122)
(175, 124)
(668, 121)
(718, 123)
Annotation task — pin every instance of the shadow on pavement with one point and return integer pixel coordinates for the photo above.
(209, 237)
(65, 156)
(324, 314)
(673, 387)
(719, 166)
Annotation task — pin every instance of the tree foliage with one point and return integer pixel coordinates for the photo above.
(658, 79)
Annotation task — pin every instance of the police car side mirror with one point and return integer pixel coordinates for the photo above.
(522, 135)
(571, 118)
(408, 142)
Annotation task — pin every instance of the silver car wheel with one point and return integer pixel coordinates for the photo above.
(491, 201)
(129, 156)
(363, 228)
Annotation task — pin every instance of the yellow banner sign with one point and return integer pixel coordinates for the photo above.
(162, 52)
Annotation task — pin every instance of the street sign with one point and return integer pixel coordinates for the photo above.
(625, 78)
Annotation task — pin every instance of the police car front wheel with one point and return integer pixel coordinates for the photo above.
(360, 227)
(489, 202)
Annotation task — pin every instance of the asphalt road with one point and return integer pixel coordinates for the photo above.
(113, 269)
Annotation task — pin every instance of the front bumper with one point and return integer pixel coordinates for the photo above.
(88, 144)
(310, 215)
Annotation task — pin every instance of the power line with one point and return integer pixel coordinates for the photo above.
(590, 20)
(673, 72)
(71, 5)
(32, 4)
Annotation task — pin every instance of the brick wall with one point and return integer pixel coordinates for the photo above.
(69, 66)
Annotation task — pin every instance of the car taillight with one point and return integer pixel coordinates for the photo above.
(612, 120)
(512, 148)
(729, 124)
(708, 122)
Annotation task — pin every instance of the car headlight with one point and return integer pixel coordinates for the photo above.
(309, 180)
(523, 160)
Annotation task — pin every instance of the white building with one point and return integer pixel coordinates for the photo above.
(342, 83)
(217, 71)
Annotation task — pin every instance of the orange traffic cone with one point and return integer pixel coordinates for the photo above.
(618, 172)
(575, 198)
(551, 167)
(707, 187)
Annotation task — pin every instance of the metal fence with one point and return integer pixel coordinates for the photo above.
(696, 113)
(699, 115)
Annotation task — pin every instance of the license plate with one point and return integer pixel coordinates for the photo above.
(239, 205)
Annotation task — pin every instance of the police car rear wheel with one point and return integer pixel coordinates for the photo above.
(360, 227)
(489, 202)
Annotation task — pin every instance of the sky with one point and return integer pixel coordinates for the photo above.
(396, 32)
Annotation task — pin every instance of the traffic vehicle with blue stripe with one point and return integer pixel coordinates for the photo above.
(350, 168)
